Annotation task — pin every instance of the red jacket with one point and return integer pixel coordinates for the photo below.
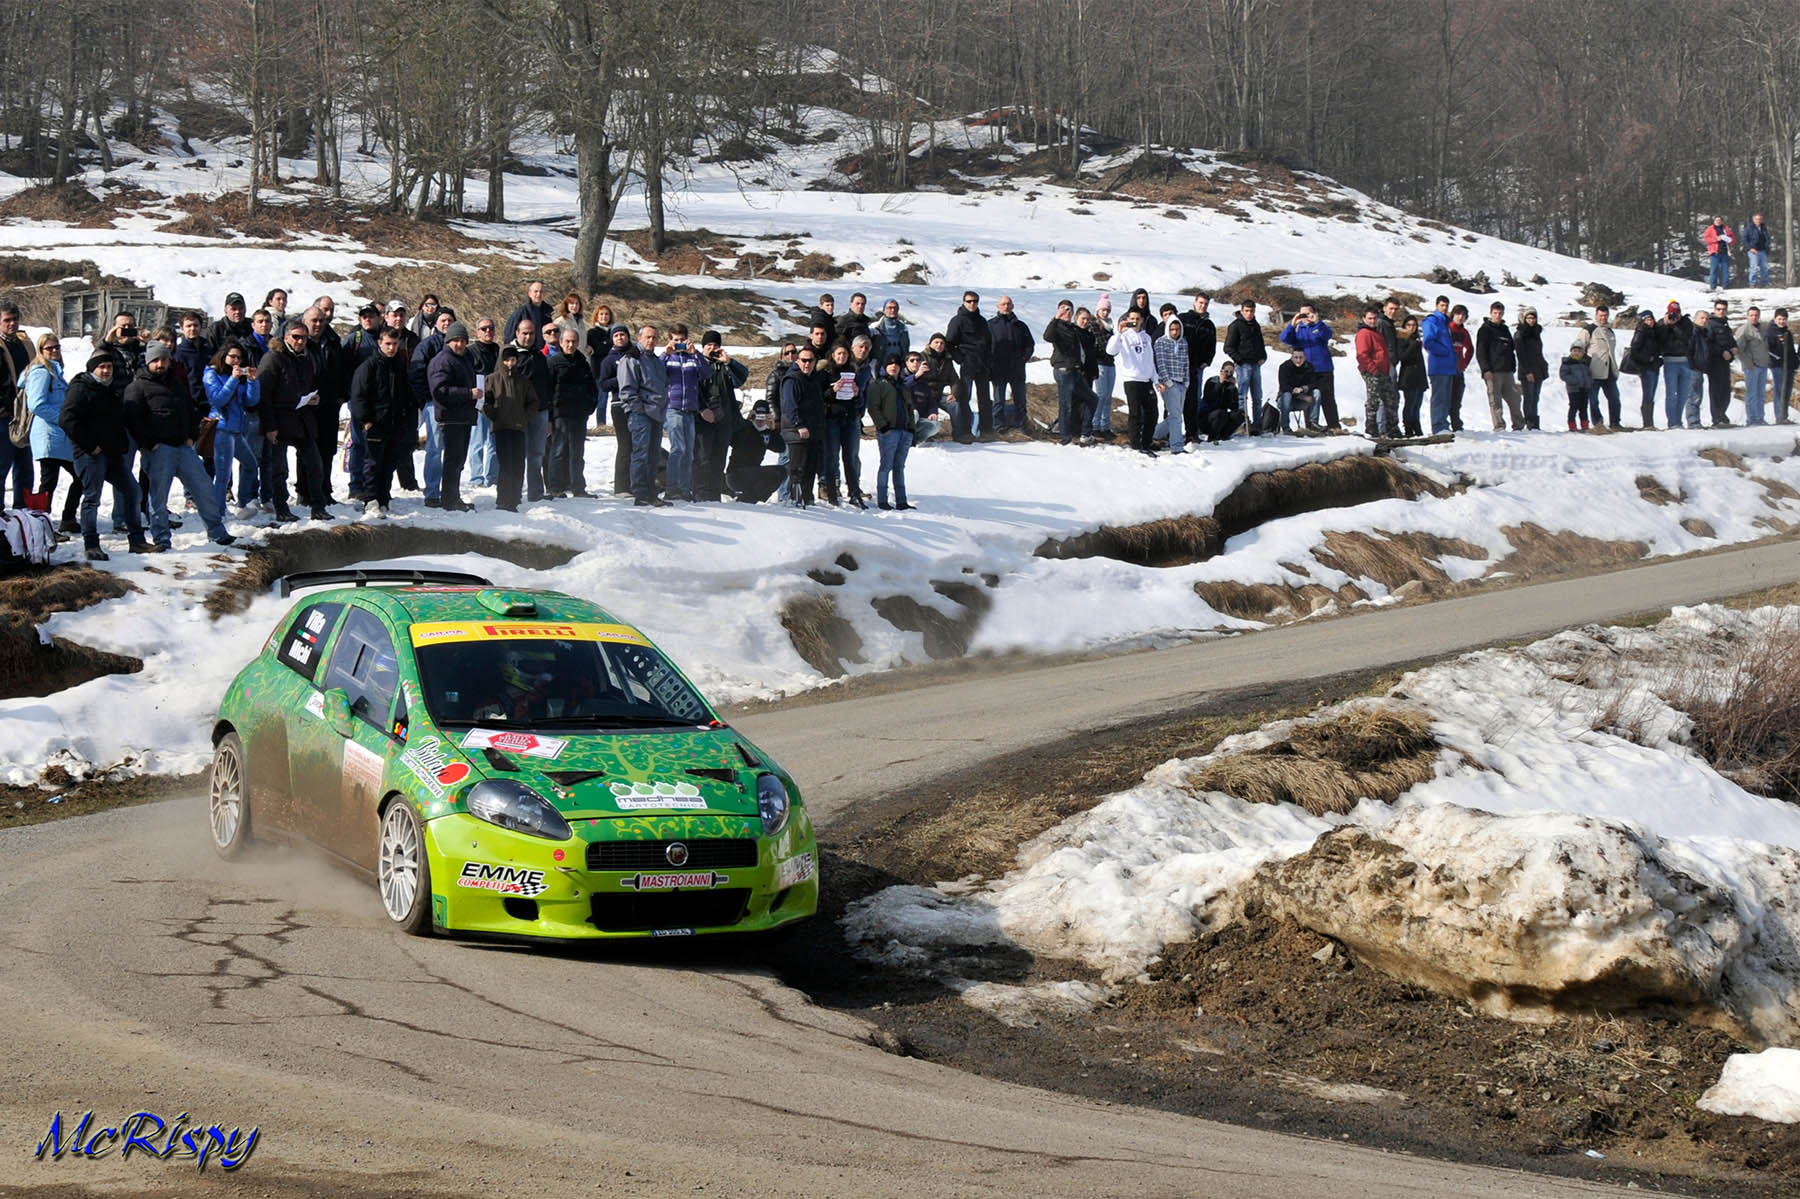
(1465, 348)
(1372, 352)
(1718, 239)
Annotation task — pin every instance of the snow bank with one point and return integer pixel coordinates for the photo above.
(1765, 1085)
(1558, 856)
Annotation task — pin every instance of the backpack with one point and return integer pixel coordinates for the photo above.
(18, 430)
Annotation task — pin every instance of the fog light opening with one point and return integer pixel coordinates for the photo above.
(780, 898)
(520, 909)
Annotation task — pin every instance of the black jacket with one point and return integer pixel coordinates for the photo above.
(1674, 340)
(1412, 364)
(224, 332)
(1528, 346)
(1641, 356)
(1781, 347)
(540, 314)
(1722, 341)
(1244, 342)
(1494, 352)
(285, 377)
(159, 411)
(819, 316)
(452, 379)
(381, 396)
(609, 369)
(1202, 337)
(971, 345)
(852, 325)
(572, 388)
(1064, 339)
(1291, 377)
(1010, 345)
(12, 368)
(93, 414)
(802, 405)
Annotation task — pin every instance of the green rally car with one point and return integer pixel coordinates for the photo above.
(505, 762)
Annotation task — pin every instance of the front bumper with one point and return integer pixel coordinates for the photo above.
(617, 879)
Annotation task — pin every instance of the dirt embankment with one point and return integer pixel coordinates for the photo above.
(1263, 1022)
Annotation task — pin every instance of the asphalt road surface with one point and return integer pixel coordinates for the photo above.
(142, 973)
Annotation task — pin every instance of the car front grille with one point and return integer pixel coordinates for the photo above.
(675, 909)
(704, 853)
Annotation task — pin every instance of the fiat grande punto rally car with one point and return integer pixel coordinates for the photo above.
(505, 762)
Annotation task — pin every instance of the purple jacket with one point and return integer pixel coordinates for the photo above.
(688, 373)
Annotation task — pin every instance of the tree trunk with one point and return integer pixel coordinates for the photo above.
(593, 174)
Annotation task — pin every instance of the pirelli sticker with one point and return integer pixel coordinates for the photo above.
(441, 632)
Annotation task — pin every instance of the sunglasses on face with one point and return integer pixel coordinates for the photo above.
(787, 353)
(807, 358)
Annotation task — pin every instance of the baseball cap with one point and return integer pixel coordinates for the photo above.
(236, 297)
(369, 310)
(396, 306)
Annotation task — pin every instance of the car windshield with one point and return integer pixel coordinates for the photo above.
(549, 682)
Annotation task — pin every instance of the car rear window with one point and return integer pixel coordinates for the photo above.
(304, 643)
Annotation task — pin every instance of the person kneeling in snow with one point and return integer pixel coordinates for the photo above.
(1220, 411)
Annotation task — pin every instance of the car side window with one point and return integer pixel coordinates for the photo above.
(363, 663)
(304, 643)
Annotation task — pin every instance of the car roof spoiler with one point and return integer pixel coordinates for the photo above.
(360, 577)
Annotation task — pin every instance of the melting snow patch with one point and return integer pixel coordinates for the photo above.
(1765, 1085)
(1019, 1007)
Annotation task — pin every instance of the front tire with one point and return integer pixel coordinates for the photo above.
(402, 870)
(229, 802)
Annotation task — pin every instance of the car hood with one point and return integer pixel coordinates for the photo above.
(623, 773)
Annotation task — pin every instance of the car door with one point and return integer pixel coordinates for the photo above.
(339, 778)
(283, 710)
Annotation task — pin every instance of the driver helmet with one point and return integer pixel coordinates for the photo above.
(528, 669)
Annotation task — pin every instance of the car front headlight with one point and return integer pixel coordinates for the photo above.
(518, 809)
(772, 804)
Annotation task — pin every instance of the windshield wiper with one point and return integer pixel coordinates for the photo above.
(609, 721)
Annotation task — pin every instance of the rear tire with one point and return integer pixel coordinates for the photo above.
(402, 869)
(229, 800)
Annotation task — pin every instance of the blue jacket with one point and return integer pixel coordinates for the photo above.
(1756, 237)
(44, 391)
(688, 374)
(231, 399)
(1440, 350)
(1315, 339)
(422, 355)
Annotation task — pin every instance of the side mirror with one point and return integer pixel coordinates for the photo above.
(337, 711)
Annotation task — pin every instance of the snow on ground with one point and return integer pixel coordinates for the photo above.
(1765, 1085)
(708, 581)
(1560, 761)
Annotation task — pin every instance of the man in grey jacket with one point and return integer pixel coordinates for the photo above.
(1754, 357)
(1603, 363)
(644, 394)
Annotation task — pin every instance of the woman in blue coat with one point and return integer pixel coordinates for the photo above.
(234, 393)
(45, 388)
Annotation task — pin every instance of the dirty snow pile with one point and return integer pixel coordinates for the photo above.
(1571, 847)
